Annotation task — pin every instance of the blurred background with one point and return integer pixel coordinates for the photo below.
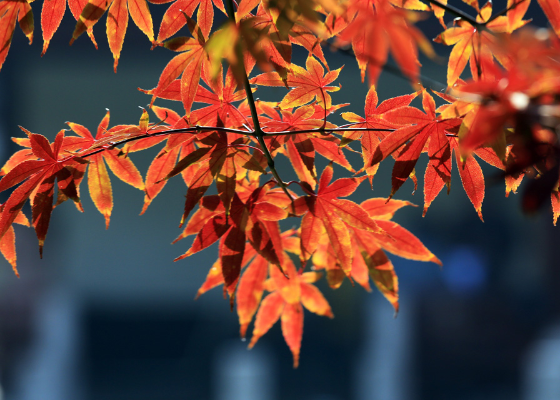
(107, 314)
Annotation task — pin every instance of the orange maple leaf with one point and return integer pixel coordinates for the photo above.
(10, 12)
(290, 292)
(413, 138)
(324, 211)
(308, 84)
(117, 21)
(51, 16)
(476, 44)
(377, 27)
(301, 148)
(174, 17)
(36, 180)
(99, 183)
(368, 249)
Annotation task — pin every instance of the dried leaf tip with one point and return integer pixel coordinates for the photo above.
(436, 260)
(479, 212)
(243, 331)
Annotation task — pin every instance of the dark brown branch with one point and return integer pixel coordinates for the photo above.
(259, 134)
(505, 11)
(196, 129)
(461, 14)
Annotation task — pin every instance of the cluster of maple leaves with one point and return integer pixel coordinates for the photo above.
(507, 114)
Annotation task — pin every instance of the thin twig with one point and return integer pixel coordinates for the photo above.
(461, 14)
(193, 129)
(227, 130)
(505, 11)
(321, 130)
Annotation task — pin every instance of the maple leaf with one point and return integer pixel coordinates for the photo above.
(373, 32)
(469, 171)
(174, 17)
(301, 148)
(8, 241)
(74, 173)
(254, 219)
(117, 21)
(368, 249)
(10, 12)
(36, 180)
(290, 292)
(374, 119)
(221, 100)
(288, 288)
(439, 167)
(308, 84)
(476, 44)
(99, 183)
(324, 211)
(51, 16)
(414, 138)
(220, 158)
(188, 64)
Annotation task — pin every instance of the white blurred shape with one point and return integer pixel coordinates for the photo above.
(50, 369)
(384, 371)
(241, 374)
(541, 373)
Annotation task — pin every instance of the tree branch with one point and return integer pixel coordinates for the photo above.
(259, 134)
(227, 130)
(461, 14)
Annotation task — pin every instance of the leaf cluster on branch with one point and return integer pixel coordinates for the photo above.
(506, 114)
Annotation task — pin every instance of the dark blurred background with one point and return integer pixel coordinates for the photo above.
(107, 314)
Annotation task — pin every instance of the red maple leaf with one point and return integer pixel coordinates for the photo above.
(221, 99)
(51, 16)
(308, 84)
(290, 292)
(10, 12)
(413, 139)
(374, 119)
(174, 17)
(375, 28)
(253, 219)
(324, 211)
(117, 21)
(99, 183)
(301, 148)
(368, 249)
(36, 180)
(476, 44)
(188, 65)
